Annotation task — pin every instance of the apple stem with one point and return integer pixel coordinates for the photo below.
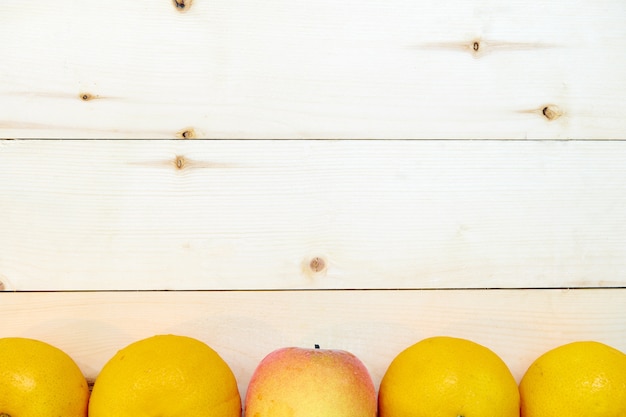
(317, 346)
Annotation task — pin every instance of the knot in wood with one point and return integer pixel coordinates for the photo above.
(551, 112)
(179, 161)
(182, 5)
(187, 133)
(317, 264)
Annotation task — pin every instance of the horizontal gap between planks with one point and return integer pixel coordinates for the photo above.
(326, 290)
(315, 140)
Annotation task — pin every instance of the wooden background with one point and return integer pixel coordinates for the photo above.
(359, 175)
(313, 69)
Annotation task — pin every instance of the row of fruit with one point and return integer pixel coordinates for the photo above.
(175, 376)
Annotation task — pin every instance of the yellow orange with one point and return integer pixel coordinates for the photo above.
(39, 380)
(166, 375)
(448, 377)
(584, 378)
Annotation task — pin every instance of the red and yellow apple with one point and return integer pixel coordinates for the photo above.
(300, 382)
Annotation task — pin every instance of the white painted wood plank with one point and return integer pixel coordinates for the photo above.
(313, 69)
(311, 214)
(243, 327)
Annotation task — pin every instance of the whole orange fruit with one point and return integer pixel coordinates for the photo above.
(165, 375)
(584, 378)
(448, 377)
(39, 380)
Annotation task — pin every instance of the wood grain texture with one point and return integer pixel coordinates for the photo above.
(244, 326)
(111, 215)
(313, 69)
